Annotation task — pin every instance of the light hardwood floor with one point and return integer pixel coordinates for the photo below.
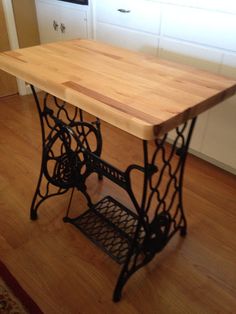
(65, 273)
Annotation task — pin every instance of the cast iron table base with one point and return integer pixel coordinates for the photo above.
(69, 157)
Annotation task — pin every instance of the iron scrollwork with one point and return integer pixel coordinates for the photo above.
(71, 151)
(160, 213)
(65, 135)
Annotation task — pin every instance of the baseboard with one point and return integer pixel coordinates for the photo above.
(209, 159)
(213, 161)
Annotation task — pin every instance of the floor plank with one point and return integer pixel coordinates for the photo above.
(65, 273)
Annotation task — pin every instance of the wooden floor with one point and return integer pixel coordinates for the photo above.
(65, 273)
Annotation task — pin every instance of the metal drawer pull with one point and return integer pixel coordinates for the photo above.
(124, 11)
(55, 25)
(63, 28)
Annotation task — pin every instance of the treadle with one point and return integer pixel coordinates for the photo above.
(111, 226)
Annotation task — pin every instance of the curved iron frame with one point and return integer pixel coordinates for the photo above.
(163, 173)
(53, 128)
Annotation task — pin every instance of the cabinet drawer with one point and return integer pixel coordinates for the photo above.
(209, 28)
(219, 141)
(134, 14)
(129, 39)
(193, 55)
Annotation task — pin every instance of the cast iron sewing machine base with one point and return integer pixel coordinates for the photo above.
(71, 152)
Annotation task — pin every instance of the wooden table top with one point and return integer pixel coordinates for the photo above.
(142, 95)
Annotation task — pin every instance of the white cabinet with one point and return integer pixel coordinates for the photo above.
(199, 57)
(134, 14)
(132, 24)
(61, 21)
(220, 137)
(127, 38)
(186, 31)
(227, 6)
(219, 142)
(48, 22)
(189, 32)
(205, 39)
(210, 28)
(74, 23)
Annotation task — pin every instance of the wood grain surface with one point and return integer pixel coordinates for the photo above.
(142, 95)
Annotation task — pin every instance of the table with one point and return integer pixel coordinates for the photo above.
(142, 95)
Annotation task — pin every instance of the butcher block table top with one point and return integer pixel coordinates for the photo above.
(142, 95)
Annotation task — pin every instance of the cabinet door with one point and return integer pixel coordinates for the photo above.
(129, 39)
(73, 23)
(219, 142)
(220, 139)
(199, 57)
(48, 21)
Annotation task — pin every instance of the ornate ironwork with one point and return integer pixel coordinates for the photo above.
(161, 212)
(71, 150)
(64, 136)
(111, 226)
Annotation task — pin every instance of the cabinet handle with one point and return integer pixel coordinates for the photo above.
(63, 28)
(124, 11)
(55, 25)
